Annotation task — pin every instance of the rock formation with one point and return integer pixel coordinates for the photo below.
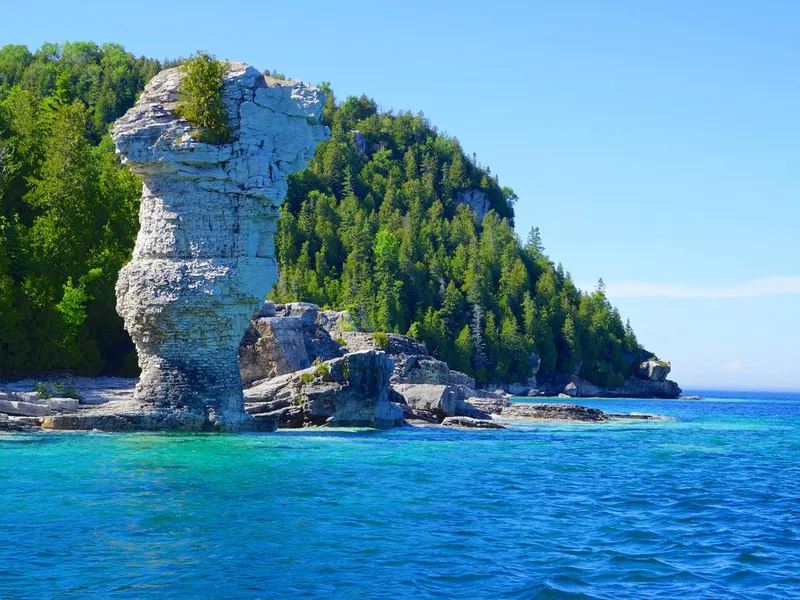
(203, 259)
(477, 200)
(351, 391)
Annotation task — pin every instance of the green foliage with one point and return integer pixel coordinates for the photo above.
(381, 339)
(51, 389)
(306, 378)
(372, 226)
(340, 340)
(201, 102)
(322, 369)
(68, 210)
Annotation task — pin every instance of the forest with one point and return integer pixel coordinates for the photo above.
(378, 224)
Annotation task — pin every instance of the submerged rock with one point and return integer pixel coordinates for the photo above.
(204, 255)
(553, 412)
(470, 423)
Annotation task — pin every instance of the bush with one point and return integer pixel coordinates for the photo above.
(50, 389)
(381, 339)
(341, 341)
(201, 98)
(306, 378)
(322, 369)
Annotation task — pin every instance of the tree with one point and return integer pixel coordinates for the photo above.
(200, 93)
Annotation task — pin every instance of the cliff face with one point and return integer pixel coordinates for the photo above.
(204, 255)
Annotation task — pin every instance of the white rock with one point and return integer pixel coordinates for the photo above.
(204, 255)
(24, 409)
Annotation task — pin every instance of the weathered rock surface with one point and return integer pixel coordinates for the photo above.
(470, 423)
(553, 412)
(476, 200)
(643, 388)
(282, 339)
(654, 370)
(204, 255)
(350, 391)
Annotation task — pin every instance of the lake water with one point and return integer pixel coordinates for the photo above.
(706, 506)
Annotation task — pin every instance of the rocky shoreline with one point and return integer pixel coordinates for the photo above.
(301, 367)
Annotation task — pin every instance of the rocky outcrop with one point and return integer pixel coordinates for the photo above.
(350, 391)
(31, 404)
(204, 255)
(654, 370)
(644, 388)
(553, 412)
(282, 339)
(477, 200)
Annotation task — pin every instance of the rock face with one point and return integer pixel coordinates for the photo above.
(204, 255)
(476, 200)
(351, 391)
(654, 370)
(282, 339)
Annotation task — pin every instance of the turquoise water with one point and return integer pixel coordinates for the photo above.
(706, 506)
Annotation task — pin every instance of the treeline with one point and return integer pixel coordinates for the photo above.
(68, 210)
(373, 225)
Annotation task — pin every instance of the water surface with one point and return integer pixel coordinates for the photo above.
(706, 506)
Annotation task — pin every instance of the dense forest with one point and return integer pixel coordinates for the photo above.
(377, 224)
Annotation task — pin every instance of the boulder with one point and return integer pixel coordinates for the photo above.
(437, 399)
(289, 340)
(654, 370)
(421, 368)
(349, 391)
(272, 346)
(204, 255)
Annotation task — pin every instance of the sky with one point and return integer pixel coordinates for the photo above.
(655, 144)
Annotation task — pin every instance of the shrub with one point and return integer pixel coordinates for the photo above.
(340, 341)
(322, 369)
(306, 378)
(381, 339)
(201, 102)
(50, 389)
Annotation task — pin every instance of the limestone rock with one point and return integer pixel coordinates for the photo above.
(433, 398)
(24, 409)
(644, 388)
(470, 423)
(553, 412)
(654, 370)
(350, 391)
(287, 340)
(204, 255)
(476, 200)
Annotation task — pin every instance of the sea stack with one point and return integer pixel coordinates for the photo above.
(204, 255)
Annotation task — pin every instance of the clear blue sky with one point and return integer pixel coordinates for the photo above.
(655, 144)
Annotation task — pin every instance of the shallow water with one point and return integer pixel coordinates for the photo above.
(706, 506)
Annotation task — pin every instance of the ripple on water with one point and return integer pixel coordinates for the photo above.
(707, 506)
